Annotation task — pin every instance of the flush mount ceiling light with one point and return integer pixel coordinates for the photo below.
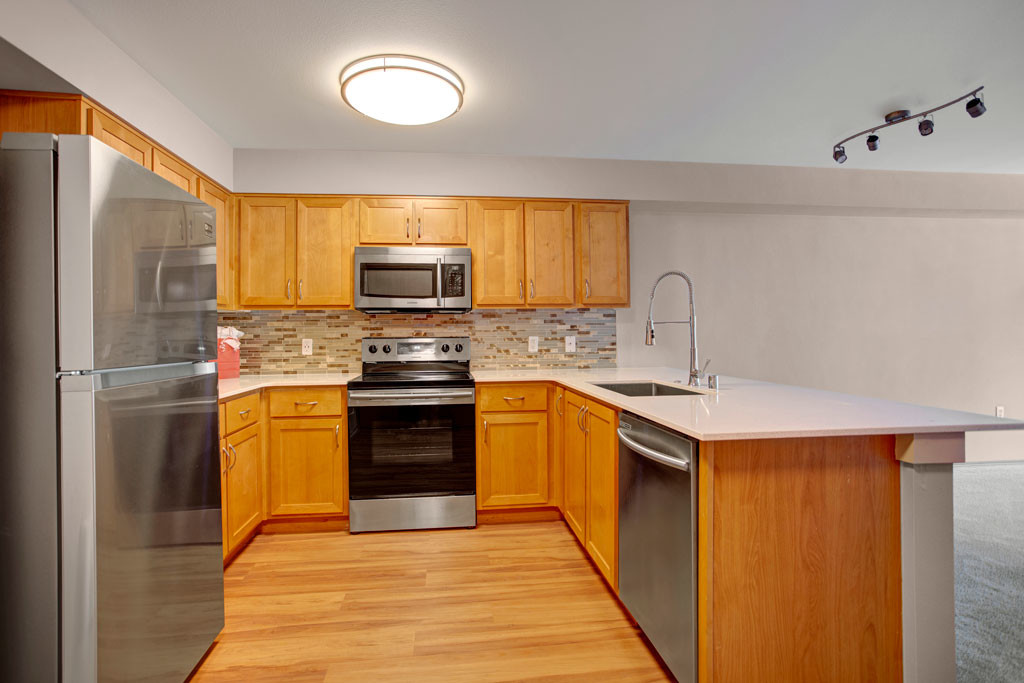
(975, 107)
(399, 89)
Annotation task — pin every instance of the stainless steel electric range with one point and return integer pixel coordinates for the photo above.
(412, 436)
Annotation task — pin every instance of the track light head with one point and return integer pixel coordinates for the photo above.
(926, 127)
(872, 142)
(839, 154)
(975, 107)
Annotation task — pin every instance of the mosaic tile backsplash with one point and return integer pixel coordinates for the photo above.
(273, 339)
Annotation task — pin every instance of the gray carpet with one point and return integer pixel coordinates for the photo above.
(988, 504)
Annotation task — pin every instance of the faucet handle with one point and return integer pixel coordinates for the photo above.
(704, 370)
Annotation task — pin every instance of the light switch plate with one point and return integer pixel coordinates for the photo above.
(570, 344)
(307, 347)
(534, 342)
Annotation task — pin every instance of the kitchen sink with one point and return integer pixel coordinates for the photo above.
(646, 389)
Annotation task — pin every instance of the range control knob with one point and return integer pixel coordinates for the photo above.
(444, 348)
(387, 348)
(372, 348)
(458, 348)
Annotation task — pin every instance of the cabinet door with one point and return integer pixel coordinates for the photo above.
(324, 240)
(497, 238)
(244, 499)
(385, 220)
(123, 139)
(557, 442)
(441, 221)
(267, 251)
(512, 466)
(603, 247)
(549, 254)
(602, 489)
(171, 169)
(226, 274)
(575, 465)
(307, 466)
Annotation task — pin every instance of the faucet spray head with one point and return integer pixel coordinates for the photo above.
(649, 335)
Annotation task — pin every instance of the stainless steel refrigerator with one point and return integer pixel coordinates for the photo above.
(110, 523)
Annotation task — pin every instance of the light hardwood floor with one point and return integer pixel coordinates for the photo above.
(503, 602)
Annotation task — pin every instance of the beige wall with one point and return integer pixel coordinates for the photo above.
(920, 307)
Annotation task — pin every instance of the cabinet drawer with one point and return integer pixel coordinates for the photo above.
(518, 397)
(306, 402)
(241, 412)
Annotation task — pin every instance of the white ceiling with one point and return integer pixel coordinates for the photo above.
(731, 81)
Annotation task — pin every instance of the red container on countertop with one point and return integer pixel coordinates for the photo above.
(228, 360)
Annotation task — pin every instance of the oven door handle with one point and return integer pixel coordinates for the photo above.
(358, 398)
(439, 394)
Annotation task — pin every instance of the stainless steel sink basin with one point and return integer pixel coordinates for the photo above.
(646, 389)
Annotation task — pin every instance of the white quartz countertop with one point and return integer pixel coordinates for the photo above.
(740, 409)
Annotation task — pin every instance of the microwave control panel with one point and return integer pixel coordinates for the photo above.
(453, 277)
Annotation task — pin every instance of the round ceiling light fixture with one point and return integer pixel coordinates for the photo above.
(399, 89)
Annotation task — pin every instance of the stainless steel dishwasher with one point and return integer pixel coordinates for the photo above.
(658, 539)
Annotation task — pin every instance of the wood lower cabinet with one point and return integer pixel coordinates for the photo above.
(591, 480)
(243, 503)
(308, 466)
(267, 252)
(512, 459)
(602, 255)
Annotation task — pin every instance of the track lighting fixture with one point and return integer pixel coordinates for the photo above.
(975, 107)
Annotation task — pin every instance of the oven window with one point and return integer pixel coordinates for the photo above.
(400, 451)
(398, 280)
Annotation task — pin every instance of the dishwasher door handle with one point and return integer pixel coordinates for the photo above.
(668, 460)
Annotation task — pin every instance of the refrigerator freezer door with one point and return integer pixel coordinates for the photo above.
(137, 282)
(142, 572)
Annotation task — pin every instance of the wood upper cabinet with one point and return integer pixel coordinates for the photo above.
(307, 466)
(267, 251)
(602, 254)
(244, 500)
(441, 221)
(496, 236)
(385, 220)
(574, 458)
(220, 200)
(126, 141)
(512, 459)
(549, 254)
(602, 536)
(326, 232)
(171, 169)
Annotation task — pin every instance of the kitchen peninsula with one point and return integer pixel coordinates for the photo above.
(824, 520)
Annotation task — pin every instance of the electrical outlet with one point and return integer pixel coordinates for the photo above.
(533, 344)
(1000, 411)
(307, 347)
(570, 344)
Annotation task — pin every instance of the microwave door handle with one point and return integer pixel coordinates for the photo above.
(439, 283)
(157, 285)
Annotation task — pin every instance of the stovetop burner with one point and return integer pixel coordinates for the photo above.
(390, 362)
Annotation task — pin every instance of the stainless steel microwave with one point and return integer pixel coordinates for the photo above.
(409, 279)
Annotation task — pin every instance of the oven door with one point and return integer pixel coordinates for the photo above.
(411, 443)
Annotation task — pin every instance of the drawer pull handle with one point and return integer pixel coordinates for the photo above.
(514, 398)
(306, 403)
(244, 413)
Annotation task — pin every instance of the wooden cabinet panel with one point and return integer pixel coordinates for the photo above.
(603, 255)
(307, 466)
(30, 112)
(226, 273)
(385, 220)
(124, 140)
(574, 457)
(267, 251)
(244, 490)
(549, 253)
(512, 397)
(557, 447)
(496, 232)
(602, 543)
(306, 402)
(512, 467)
(324, 241)
(241, 412)
(441, 221)
(171, 169)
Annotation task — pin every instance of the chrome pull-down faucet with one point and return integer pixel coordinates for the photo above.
(692, 322)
